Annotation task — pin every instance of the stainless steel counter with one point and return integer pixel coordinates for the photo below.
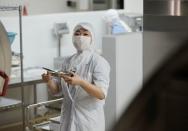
(16, 82)
(10, 103)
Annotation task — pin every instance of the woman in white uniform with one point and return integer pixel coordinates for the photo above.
(85, 91)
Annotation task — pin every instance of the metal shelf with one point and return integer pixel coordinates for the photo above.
(22, 83)
(19, 9)
(7, 104)
(9, 8)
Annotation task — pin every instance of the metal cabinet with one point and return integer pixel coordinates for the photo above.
(124, 53)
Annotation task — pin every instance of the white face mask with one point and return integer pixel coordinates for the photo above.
(81, 42)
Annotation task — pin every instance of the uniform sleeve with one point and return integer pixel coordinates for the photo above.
(101, 75)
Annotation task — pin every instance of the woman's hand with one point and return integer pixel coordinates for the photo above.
(73, 80)
(50, 83)
(46, 77)
(87, 86)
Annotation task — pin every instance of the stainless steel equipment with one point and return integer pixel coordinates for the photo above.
(165, 28)
(166, 15)
(166, 7)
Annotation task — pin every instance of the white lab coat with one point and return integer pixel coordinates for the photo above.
(80, 110)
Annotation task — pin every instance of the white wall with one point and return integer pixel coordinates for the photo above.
(35, 7)
(135, 6)
(48, 6)
(39, 44)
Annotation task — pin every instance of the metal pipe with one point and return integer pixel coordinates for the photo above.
(22, 75)
(175, 7)
(166, 7)
(59, 45)
(178, 7)
(35, 97)
(114, 4)
(43, 103)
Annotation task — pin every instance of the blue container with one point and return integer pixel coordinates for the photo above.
(11, 36)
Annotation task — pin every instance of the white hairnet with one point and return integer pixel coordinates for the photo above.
(88, 27)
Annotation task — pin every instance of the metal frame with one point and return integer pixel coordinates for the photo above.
(37, 105)
(25, 108)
